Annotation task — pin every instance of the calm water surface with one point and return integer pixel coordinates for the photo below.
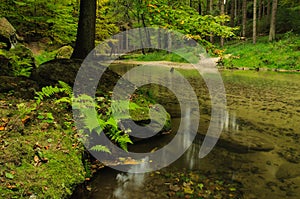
(259, 145)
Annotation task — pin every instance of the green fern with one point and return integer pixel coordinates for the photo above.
(49, 91)
(100, 148)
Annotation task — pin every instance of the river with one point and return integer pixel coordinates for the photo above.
(258, 152)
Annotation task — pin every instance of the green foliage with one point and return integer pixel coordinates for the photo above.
(106, 23)
(49, 91)
(178, 56)
(44, 57)
(283, 54)
(56, 19)
(105, 121)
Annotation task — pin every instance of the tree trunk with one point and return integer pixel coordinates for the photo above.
(222, 4)
(259, 9)
(244, 18)
(210, 12)
(232, 12)
(85, 40)
(273, 21)
(268, 8)
(199, 7)
(254, 21)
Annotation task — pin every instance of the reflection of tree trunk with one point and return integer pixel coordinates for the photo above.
(273, 21)
(85, 40)
(244, 17)
(254, 21)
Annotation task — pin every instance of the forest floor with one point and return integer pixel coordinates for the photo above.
(40, 154)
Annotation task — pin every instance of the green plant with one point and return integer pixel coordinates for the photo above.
(49, 91)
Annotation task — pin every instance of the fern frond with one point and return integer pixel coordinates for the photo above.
(66, 88)
(100, 148)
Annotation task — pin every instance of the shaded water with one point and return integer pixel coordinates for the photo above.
(259, 146)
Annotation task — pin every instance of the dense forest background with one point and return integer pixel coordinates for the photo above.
(55, 21)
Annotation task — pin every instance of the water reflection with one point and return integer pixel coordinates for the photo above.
(128, 183)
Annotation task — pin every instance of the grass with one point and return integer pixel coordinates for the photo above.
(281, 54)
(183, 55)
(44, 57)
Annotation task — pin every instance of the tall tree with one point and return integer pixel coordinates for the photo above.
(85, 40)
(254, 21)
(244, 8)
(222, 4)
(273, 21)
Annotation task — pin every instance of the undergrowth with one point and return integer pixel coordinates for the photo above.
(281, 54)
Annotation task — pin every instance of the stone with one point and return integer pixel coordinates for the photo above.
(7, 33)
(18, 86)
(19, 61)
(287, 171)
(64, 52)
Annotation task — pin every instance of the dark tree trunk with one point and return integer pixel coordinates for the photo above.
(244, 17)
(232, 13)
(273, 21)
(254, 21)
(85, 40)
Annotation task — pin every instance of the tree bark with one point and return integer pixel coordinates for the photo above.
(85, 40)
(254, 21)
(273, 21)
(222, 4)
(232, 12)
(268, 8)
(211, 39)
(244, 18)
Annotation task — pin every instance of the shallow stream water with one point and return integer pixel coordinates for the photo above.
(259, 146)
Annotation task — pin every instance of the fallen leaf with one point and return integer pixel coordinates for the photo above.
(174, 187)
(188, 190)
(9, 175)
(25, 119)
(36, 159)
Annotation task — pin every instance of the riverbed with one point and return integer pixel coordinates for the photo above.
(258, 150)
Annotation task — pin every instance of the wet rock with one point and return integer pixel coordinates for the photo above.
(290, 154)
(241, 143)
(18, 86)
(64, 52)
(287, 171)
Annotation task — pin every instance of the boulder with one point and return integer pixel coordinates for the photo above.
(8, 34)
(19, 61)
(65, 70)
(18, 86)
(64, 52)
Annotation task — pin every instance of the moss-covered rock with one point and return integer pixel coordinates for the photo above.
(18, 86)
(19, 61)
(7, 33)
(64, 52)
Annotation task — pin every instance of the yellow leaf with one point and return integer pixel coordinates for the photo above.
(188, 190)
